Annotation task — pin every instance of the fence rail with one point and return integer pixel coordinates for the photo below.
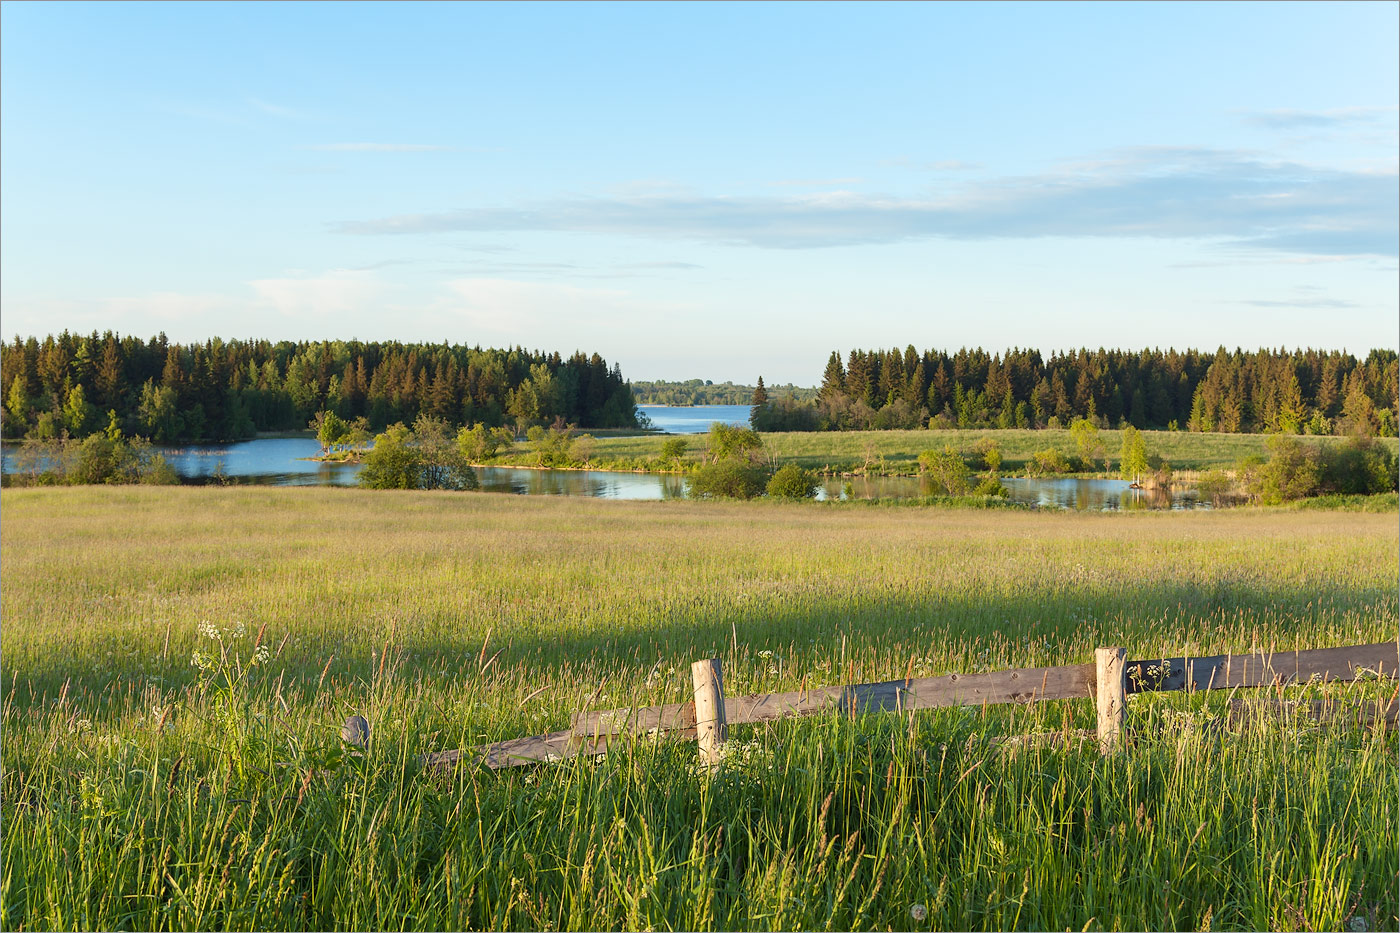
(1108, 681)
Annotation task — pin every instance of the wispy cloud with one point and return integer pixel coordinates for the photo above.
(813, 182)
(276, 110)
(1286, 119)
(1180, 193)
(937, 165)
(378, 147)
(337, 291)
(660, 265)
(1300, 303)
(509, 308)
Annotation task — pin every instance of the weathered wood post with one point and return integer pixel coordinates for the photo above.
(1111, 694)
(710, 726)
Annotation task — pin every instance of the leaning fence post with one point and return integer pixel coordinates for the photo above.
(1111, 694)
(710, 725)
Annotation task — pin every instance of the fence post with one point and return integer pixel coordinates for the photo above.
(710, 725)
(1111, 695)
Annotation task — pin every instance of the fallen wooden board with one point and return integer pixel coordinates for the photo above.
(514, 752)
(1027, 685)
(1263, 669)
(670, 717)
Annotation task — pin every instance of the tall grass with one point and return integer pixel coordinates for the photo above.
(143, 792)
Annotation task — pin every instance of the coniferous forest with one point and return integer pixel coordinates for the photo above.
(1297, 392)
(227, 390)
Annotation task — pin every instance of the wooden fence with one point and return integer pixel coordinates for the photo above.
(1109, 681)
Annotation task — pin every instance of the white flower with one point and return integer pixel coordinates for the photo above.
(261, 655)
(238, 631)
(209, 630)
(919, 912)
(765, 654)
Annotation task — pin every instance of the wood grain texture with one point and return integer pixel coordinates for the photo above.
(515, 752)
(669, 717)
(1019, 686)
(1263, 669)
(1110, 696)
(711, 721)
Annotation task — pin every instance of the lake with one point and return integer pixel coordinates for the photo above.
(281, 462)
(694, 419)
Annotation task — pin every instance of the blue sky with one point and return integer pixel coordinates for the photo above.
(713, 190)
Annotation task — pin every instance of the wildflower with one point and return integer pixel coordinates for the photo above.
(209, 630)
(238, 631)
(919, 912)
(261, 655)
(765, 654)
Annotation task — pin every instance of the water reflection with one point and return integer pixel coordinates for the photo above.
(284, 462)
(592, 483)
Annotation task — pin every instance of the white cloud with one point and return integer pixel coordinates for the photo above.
(545, 313)
(338, 291)
(1290, 119)
(1175, 193)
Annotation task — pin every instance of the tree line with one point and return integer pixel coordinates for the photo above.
(705, 392)
(228, 390)
(1298, 392)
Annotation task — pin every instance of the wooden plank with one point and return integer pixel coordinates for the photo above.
(1224, 672)
(515, 752)
(670, 717)
(1075, 681)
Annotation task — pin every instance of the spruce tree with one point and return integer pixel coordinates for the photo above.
(758, 413)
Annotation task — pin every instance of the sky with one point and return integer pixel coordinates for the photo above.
(714, 191)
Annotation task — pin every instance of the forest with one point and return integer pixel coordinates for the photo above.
(1291, 392)
(218, 390)
(705, 392)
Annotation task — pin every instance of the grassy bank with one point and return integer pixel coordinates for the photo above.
(898, 451)
(141, 793)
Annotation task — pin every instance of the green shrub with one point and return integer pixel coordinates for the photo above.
(1214, 485)
(792, 482)
(991, 486)
(1358, 466)
(424, 458)
(1049, 461)
(727, 479)
(1293, 471)
(946, 470)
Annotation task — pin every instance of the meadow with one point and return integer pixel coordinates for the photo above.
(898, 451)
(178, 661)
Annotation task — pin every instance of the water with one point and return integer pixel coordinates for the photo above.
(598, 484)
(694, 419)
(1079, 495)
(282, 462)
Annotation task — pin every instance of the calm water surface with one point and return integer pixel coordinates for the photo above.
(281, 462)
(694, 419)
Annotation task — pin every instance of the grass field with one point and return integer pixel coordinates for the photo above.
(141, 792)
(898, 451)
